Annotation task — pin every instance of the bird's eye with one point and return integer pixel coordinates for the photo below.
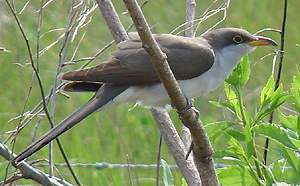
(237, 39)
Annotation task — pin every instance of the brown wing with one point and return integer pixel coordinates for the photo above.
(188, 58)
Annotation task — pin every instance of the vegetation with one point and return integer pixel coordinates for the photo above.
(236, 115)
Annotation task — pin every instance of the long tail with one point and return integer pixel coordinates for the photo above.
(106, 93)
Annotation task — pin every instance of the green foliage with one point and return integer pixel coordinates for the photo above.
(291, 158)
(242, 151)
(277, 134)
(270, 100)
(240, 74)
(167, 174)
(183, 182)
(296, 90)
(214, 130)
(240, 174)
(110, 135)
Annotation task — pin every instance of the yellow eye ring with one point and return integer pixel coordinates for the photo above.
(237, 39)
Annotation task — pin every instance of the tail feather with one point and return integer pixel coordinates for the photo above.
(106, 93)
(82, 87)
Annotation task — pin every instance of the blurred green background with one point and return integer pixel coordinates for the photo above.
(113, 134)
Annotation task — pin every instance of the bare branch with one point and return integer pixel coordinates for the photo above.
(188, 32)
(176, 146)
(163, 120)
(28, 172)
(113, 21)
(189, 18)
(203, 151)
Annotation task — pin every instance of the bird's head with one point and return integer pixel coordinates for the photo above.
(224, 37)
(234, 43)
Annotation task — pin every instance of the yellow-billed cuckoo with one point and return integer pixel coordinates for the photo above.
(199, 64)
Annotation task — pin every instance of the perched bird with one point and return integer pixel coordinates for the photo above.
(199, 64)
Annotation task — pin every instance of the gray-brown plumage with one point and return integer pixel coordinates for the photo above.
(131, 65)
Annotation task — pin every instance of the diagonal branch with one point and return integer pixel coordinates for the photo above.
(162, 119)
(203, 151)
(28, 172)
(112, 20)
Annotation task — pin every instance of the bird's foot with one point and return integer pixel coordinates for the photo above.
(188, 106)
(189, 151)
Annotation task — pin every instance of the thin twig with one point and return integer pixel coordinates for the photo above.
(62, 55)
(35, 68)
(205, 16)
(279, 72)
(128, 169)
(158, 159)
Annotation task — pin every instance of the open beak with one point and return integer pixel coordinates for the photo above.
(262, 41)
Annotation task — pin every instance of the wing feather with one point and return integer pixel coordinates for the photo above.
(130, 65)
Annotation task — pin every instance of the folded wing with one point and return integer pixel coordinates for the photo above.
(131, 65)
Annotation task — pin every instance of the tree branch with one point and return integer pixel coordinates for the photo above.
(112, 20)
(188, 32)
(28, 172)
(176, 147)
(163, 120)
(203, 151)
(189, 18)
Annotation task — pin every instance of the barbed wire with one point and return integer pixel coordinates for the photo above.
(103, 165)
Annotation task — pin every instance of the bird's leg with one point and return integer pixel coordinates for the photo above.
(188, 106)
(190, 150)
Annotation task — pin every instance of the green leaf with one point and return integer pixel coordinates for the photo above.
(236, 134)
(272, 99)
(240, 75)
(235, 176)
(291, 157)
(232, 97)
(249, 141)
(229, 106)
(183, 182)
(235, 147)
(268, 174)
(267, 92)
(296, 90)
(245, 69)
(230, 94)
(276, 134)
(277, 171)
(279, 99)
(276, 102)
(298, 127)
(292, 125)
(167, 174)
(214, 130)
(293, 135)
(225, 154)
(248, 117)
(289, 122)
